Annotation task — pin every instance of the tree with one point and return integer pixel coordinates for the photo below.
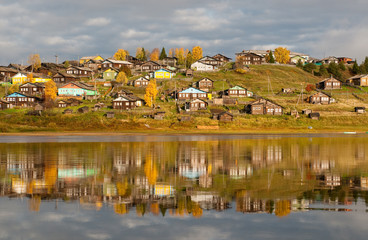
(309, 67)
(270, 58)
(30, 77)
(121, 55)
(35, 61)
(66, 64)
(163, 54)
(179, 54)
(127, 70)
(189, 59)
(13, 88)
(154, 54)
(171, 52)
(310, 87)
(355, 68)
(342, 66)
(282, 55)
(151, 93)
(122, 78)
(299, 64)
(150, 170)
(140, 54)
(50, 90)
(323, 70)
(333, 69)
(197, 53)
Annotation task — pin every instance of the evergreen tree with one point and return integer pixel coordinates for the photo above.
(270, 57)
(309, 67)
(342, 66)
(355, 69)
(299, 64)
(189, 59)
(144, 55)
(163, 54)
(333, 68)
(323, 70)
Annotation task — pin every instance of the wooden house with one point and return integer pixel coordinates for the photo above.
(141, 82)
(249, 58)
(95, 65)
(123, 93)
(110, 74)
(77, 89)
(238, 91)
(84, 109)
(117, 64)
(62, 78)
(225, 117)
(169, 61)
(79, 71)
(110, 115)
(329, 84)
(320, 98)
(22, 100)
(5, 105)
(159, 116)
(306, 111)
(210, 61)
(29, 88)
(203, 67)
(68, 111)
(195, 105)
(359, 80)
(19, 78)
(150, 66)
(163, 74)
(192, 93)
(359, 110)
(221, 58)
(189, 73)
(123, 103)
(328, 60)
(205, 84)
(71, 102)
(265, 107)
(314, 115)
(7, 73)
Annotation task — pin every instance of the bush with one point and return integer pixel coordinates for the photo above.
(240, 70)
(310, 87)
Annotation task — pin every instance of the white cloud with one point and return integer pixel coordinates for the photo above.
(133, 34)
(97, 22)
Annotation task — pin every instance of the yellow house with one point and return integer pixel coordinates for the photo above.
(86, 59)
(163, 74)
(19, 78)
(40, 79)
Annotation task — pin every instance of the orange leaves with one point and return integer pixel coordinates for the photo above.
(197, 53)
(282, 55)
(121, 54)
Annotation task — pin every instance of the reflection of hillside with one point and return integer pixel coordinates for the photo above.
(184, 178)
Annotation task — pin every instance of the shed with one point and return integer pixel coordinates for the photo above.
(189, 73)
(225, 117)
(68, 111)
(84, 109)
(359, 109)
(38, 107)
(159, 116)
(307, 111)
(314, 116)
(110, 115)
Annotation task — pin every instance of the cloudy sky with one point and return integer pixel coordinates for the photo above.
(71, 29)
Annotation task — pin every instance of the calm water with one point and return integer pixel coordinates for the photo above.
(184, 187)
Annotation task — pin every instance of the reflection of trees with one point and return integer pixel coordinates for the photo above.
(150, 170)
(283, 208)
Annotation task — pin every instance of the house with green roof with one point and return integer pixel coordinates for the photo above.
(238, 91)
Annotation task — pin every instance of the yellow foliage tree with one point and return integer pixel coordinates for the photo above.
(122, 188)
(50, 90)
(150, 170)
(121, 54)
(283, 208)
(35, 61)
(151, 93)
(155, 54)
(121, 208)
(171, 52)
(180, 55)
(197, 53)
(13, 88)
(282, 55)
(122, 78)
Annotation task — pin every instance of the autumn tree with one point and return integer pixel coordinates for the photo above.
(35, 61)
(30, 77)
(50, 90)
(299, 64)
(171, 52)
(121, 54)
(283, 208)
(13, 88)
(197, 53)
(154, 54)
(141, 54)
(270, 58)
(150, 170)
(66, 64)
(122, 78)
(151, 93)
(179, 54)
(310, 87)
(189, 59)
(127, 70)
(163, 54)
(282, 55)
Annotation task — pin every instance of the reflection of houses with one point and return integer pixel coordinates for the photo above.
(209, 200)
(125, 159)
(266, 155)
(193, 162)
(332, 179)
(319, 166)
(246, 204)
(162, 190)
(237, 172)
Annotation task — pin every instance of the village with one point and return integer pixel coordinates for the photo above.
(189, 89)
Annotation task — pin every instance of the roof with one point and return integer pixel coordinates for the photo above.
(117, 61)
(163, 70)
(90, 57)
(81, 68)
(80, 85)
(358, 76)
(18, 94)
(192, 90)
(123, 99)
(34, 84)
(205, 79)
(197, 100)
(64, 74)
(237, 88)
(330, 78)
(219, 54)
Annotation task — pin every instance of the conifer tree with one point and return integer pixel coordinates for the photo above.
(163, 54)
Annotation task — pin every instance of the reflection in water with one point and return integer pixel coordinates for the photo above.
(186, 178)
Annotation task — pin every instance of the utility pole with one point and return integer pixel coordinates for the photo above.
(57, 59)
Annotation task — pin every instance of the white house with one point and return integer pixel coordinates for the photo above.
(201, 66)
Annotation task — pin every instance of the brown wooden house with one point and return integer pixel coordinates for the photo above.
(150, 66)
(359, 80)
(320, 98)
(22, 100)
(249, 58)
(238, 91)
(329, 84)
(221, 58)
(192, 93)
(265, 107)
(79, 71)
(205, 84)
(210, 61)
(117, 64)
(169, 61)
(69, 103)
(5, 105)
(225, 117)
(195, 105)
(123, 103)
(29, 88)
(62, 78)
(141, 82)
(7, 73)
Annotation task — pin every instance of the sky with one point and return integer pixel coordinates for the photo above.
(71, 29)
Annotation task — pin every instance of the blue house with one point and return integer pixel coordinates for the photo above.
(193, 93)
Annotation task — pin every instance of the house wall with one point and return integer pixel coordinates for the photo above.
(123, 105)
(201, 67)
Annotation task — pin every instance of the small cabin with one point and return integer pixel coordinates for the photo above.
(329, 84)
(5, 105)
(320, 98)
(225, 117)
(68, 111)
(359, 110)
(195, 105)
(159, 116)
(110, 115)
(306, 111)
(314, 116)
(189, 73)
(84, 109)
